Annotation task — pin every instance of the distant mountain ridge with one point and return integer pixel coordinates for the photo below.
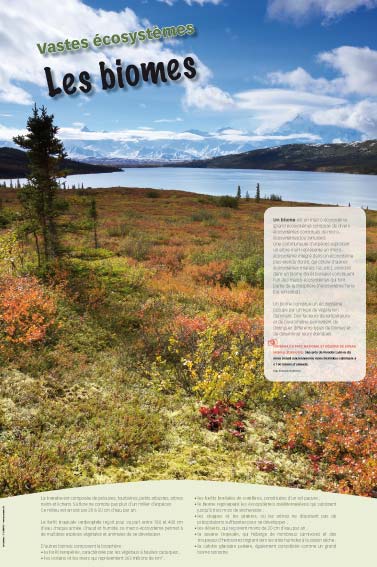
(197, 144)
(14, 164)
(354, 157)
(151, 146)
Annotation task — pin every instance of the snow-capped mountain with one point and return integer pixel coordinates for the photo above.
(197, 146)
(148, 145)
(326, 134)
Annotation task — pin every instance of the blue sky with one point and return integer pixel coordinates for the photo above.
(260, 64)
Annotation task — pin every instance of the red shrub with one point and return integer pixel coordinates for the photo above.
(221, 415)
(26, 310)
(210, 274)
(168, 258)
(265, 466)
(339, 434)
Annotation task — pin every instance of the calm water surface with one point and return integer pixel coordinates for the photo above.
(327, 188)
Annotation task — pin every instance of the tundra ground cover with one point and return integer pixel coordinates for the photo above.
(142, 358)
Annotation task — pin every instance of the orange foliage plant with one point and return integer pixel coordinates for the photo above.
(338, 431)
(26, 311)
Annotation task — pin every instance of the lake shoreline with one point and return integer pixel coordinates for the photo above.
(168, 193)
(292, 186)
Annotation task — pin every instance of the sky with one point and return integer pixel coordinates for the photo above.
(260, 65)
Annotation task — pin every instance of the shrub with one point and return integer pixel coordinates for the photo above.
(201, 257)
(12, 252)
(152, 194)
(248, 270)
(371, 256)
(168, 258)
(338, 433)
(228, 202)
(371, 222)
(202, 215)
(118, 230)
(371, 275)
(92, 253)
(104, 282)
(68, 434)
(206, 199)
(7, 216)
(122, 436)
(222, 415)
(136, 247)
(213, 273)
(225, 214)
(153, 316)
(217, 359)
(31, 469)
(225, 367)
(185, 331)
(241, 298)
(27, 311)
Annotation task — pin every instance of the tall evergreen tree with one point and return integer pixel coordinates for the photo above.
(39, 195)
(239, 192)
(257, 193)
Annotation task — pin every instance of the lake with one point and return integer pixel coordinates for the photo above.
(326, 188)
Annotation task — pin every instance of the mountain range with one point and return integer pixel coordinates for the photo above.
(298, 145)
(148, 146)
(354, 157)
(14, 164)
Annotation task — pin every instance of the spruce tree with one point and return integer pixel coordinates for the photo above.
(39, 195)
(239, 192)
(257, 193)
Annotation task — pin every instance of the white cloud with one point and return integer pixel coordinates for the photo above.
(207, 97)
(33, 22)
(360, 116)
(7, 133)
(10, 92)
(357, 67)
(275, 107)
(302, 80)
(269, 108)
(299, 10)
(148, 134)
(202, 2)
(193, 2)
(236, 136)
(264, 98)
(130, 135)
(167, 120)
(24, 23)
